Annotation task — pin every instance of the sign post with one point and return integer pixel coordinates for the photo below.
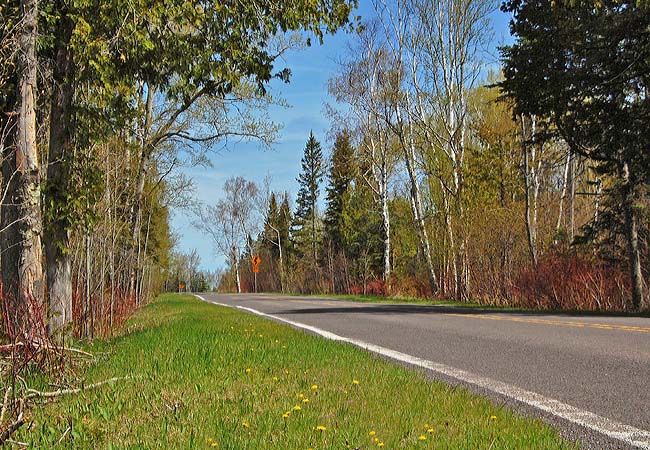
(256, 260)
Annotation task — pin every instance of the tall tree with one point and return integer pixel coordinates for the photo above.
(340, 176)
(273, 236)
(365, 84)
(184, 52)
(591, 71)
(231, 222)
(21, 223)
(306, 227)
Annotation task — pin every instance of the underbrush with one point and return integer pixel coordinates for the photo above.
(571, 282)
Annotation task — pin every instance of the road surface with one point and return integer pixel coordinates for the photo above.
(587, 375)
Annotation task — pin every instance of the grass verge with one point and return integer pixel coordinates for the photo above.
(213, 377)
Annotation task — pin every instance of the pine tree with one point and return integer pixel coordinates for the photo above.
(305, 227)
(284, 226)
(271, 231)
(340, 177)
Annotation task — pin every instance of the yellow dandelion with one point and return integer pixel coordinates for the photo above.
(493, 417)
(305, 400)
(301, 395)
(314, 387)
(286, 415)
(321, 428)
(380, 444)
(422, 438)
(245, 424)
(426, 426)
(372, 433)
(248, 370)
(355, 382)
(375, 439)
(430, 430)
(297, 408)
(276, 379)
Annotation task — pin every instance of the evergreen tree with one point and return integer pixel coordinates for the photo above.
(340, 177)
(591, 82)
(284, 226)
(306, 217)
(271, 230)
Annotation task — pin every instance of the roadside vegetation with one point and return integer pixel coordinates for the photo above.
(202, 376)
(442, 180)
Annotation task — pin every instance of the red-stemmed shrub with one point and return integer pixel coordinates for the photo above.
(571, 282)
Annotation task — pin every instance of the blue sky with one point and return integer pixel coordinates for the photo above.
(306, 94)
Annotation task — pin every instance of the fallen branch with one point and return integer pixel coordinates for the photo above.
(39, 394)
(10, 347)
(5, 404)
(12, 429)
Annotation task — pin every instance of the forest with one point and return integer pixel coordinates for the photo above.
(522, 183)
(519, 179)
(103, 105)
(514, 179)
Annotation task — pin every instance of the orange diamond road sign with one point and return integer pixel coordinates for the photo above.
(256, 260)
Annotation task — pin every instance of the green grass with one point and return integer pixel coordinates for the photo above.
(195, 391)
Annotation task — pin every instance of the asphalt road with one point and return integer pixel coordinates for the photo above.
(595, 364)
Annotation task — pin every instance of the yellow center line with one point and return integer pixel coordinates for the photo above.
(601, 326)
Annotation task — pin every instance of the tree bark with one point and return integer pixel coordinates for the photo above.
(60, 156)
(408, 146)
(22, 270)
(632, 235)
(530, 183)
(143, 169)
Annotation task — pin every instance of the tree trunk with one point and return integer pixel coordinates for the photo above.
(385, 220)
(143, 169)
(237, 277)
(57, 242)
(632, 235)
(530, 183)
(565, 183)
(408, 146)
(22, 270)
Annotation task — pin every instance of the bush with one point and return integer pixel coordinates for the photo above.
(571, 282)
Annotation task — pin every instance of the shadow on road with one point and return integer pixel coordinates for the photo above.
(438, 309)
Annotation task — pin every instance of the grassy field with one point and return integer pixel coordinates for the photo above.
(212, 377)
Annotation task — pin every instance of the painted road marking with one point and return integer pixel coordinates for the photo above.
(610, 428)
(600, 326)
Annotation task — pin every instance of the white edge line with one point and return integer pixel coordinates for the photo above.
(610, 428)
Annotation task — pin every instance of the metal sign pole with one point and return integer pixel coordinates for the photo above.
(256, 282)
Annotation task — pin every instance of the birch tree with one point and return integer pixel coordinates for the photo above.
(230, 222)
(364, 86)
(444, 44)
